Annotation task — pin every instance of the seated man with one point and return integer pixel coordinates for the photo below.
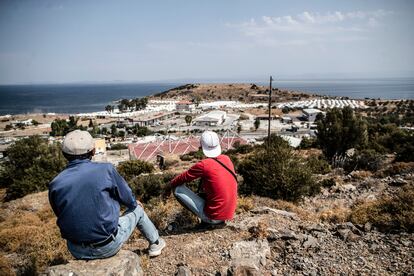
(219, 184)
(86, 198)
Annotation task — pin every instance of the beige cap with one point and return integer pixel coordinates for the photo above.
(78, 142)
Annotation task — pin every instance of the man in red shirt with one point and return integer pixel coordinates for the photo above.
(219, 184)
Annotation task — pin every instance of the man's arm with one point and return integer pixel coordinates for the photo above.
(192, 173)
(122, 191)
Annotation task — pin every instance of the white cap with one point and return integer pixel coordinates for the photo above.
(78, 142)
(210, 144)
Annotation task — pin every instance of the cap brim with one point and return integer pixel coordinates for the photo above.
(212, 152)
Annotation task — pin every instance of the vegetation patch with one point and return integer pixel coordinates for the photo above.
(388, 213)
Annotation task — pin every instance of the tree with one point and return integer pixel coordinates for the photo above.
(188, 119)
(197, 100)
(114, 130)
(91, 125)
(31, 164)
(60, 127)
(109, 108)
(339, 131)
(256, 123)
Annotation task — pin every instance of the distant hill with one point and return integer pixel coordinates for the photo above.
(235, 92)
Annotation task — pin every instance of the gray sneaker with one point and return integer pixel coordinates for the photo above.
(155, 249)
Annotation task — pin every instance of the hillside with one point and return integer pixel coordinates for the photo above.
(267, 237)
(234, 91)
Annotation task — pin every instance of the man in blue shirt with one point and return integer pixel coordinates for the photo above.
(86, 198)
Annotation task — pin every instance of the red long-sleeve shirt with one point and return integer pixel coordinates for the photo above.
(218, 184)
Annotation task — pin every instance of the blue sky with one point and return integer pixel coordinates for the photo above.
(103, 41)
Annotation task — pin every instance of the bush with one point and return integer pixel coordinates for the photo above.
(388, 213)
(308, 143)
(30, 165)
(318, 165)
(197, 155)
(277, 172)
(133, 168)
(146, 187)
(118, 146)
(327, 183)
(364, 160)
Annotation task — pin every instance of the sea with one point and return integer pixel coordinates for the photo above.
(82, 98)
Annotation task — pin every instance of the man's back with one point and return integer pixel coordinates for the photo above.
(85, 199)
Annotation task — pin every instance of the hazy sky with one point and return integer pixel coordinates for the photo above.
(77, 41)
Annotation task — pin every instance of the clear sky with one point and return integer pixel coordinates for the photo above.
(102, 41)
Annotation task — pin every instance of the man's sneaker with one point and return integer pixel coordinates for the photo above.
(155, 249)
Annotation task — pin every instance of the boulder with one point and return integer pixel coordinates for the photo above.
(125, 263)
(251, 254)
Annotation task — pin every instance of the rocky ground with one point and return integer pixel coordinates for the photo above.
(267, 238)
(302, 241)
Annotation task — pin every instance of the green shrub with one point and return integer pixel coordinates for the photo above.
(277, 172)
(339, 131)
(197, 155)
(367, 159)
(308, 143)
(146, 187)
(133, 168)
(30, 165)
(327, 183)
(118, 146)
(318, 165)
(388, 213)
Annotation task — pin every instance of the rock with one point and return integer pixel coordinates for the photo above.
(367, 227)
(397, 182)
(284, 234)
(183, 271)
(249, 253)
(348, 188)
(244, 271)
(267, 210)
(310, 242)
(347, 235)
(123, 263)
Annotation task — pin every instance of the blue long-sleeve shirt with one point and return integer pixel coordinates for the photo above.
(86, 198)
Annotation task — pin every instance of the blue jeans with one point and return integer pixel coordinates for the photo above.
(194, 203)
(126, 225)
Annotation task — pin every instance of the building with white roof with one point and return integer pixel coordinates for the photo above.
(311, 113)
(213, 118)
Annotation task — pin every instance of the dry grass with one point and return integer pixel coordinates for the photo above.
(397, 168)
(34, 236)
(388, 213)
(336, 214)
(361, 174)
(244, 204)
(260, 231)
(6, 268)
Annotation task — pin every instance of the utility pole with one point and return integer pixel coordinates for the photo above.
(270, 111)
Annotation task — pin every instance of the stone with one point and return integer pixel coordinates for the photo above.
(124, 263)
(347, 235)
(367, 226)
(310, 242)
(267, 210)
(284, 234)
(249, 253)
(183, 271)
(241, 270)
